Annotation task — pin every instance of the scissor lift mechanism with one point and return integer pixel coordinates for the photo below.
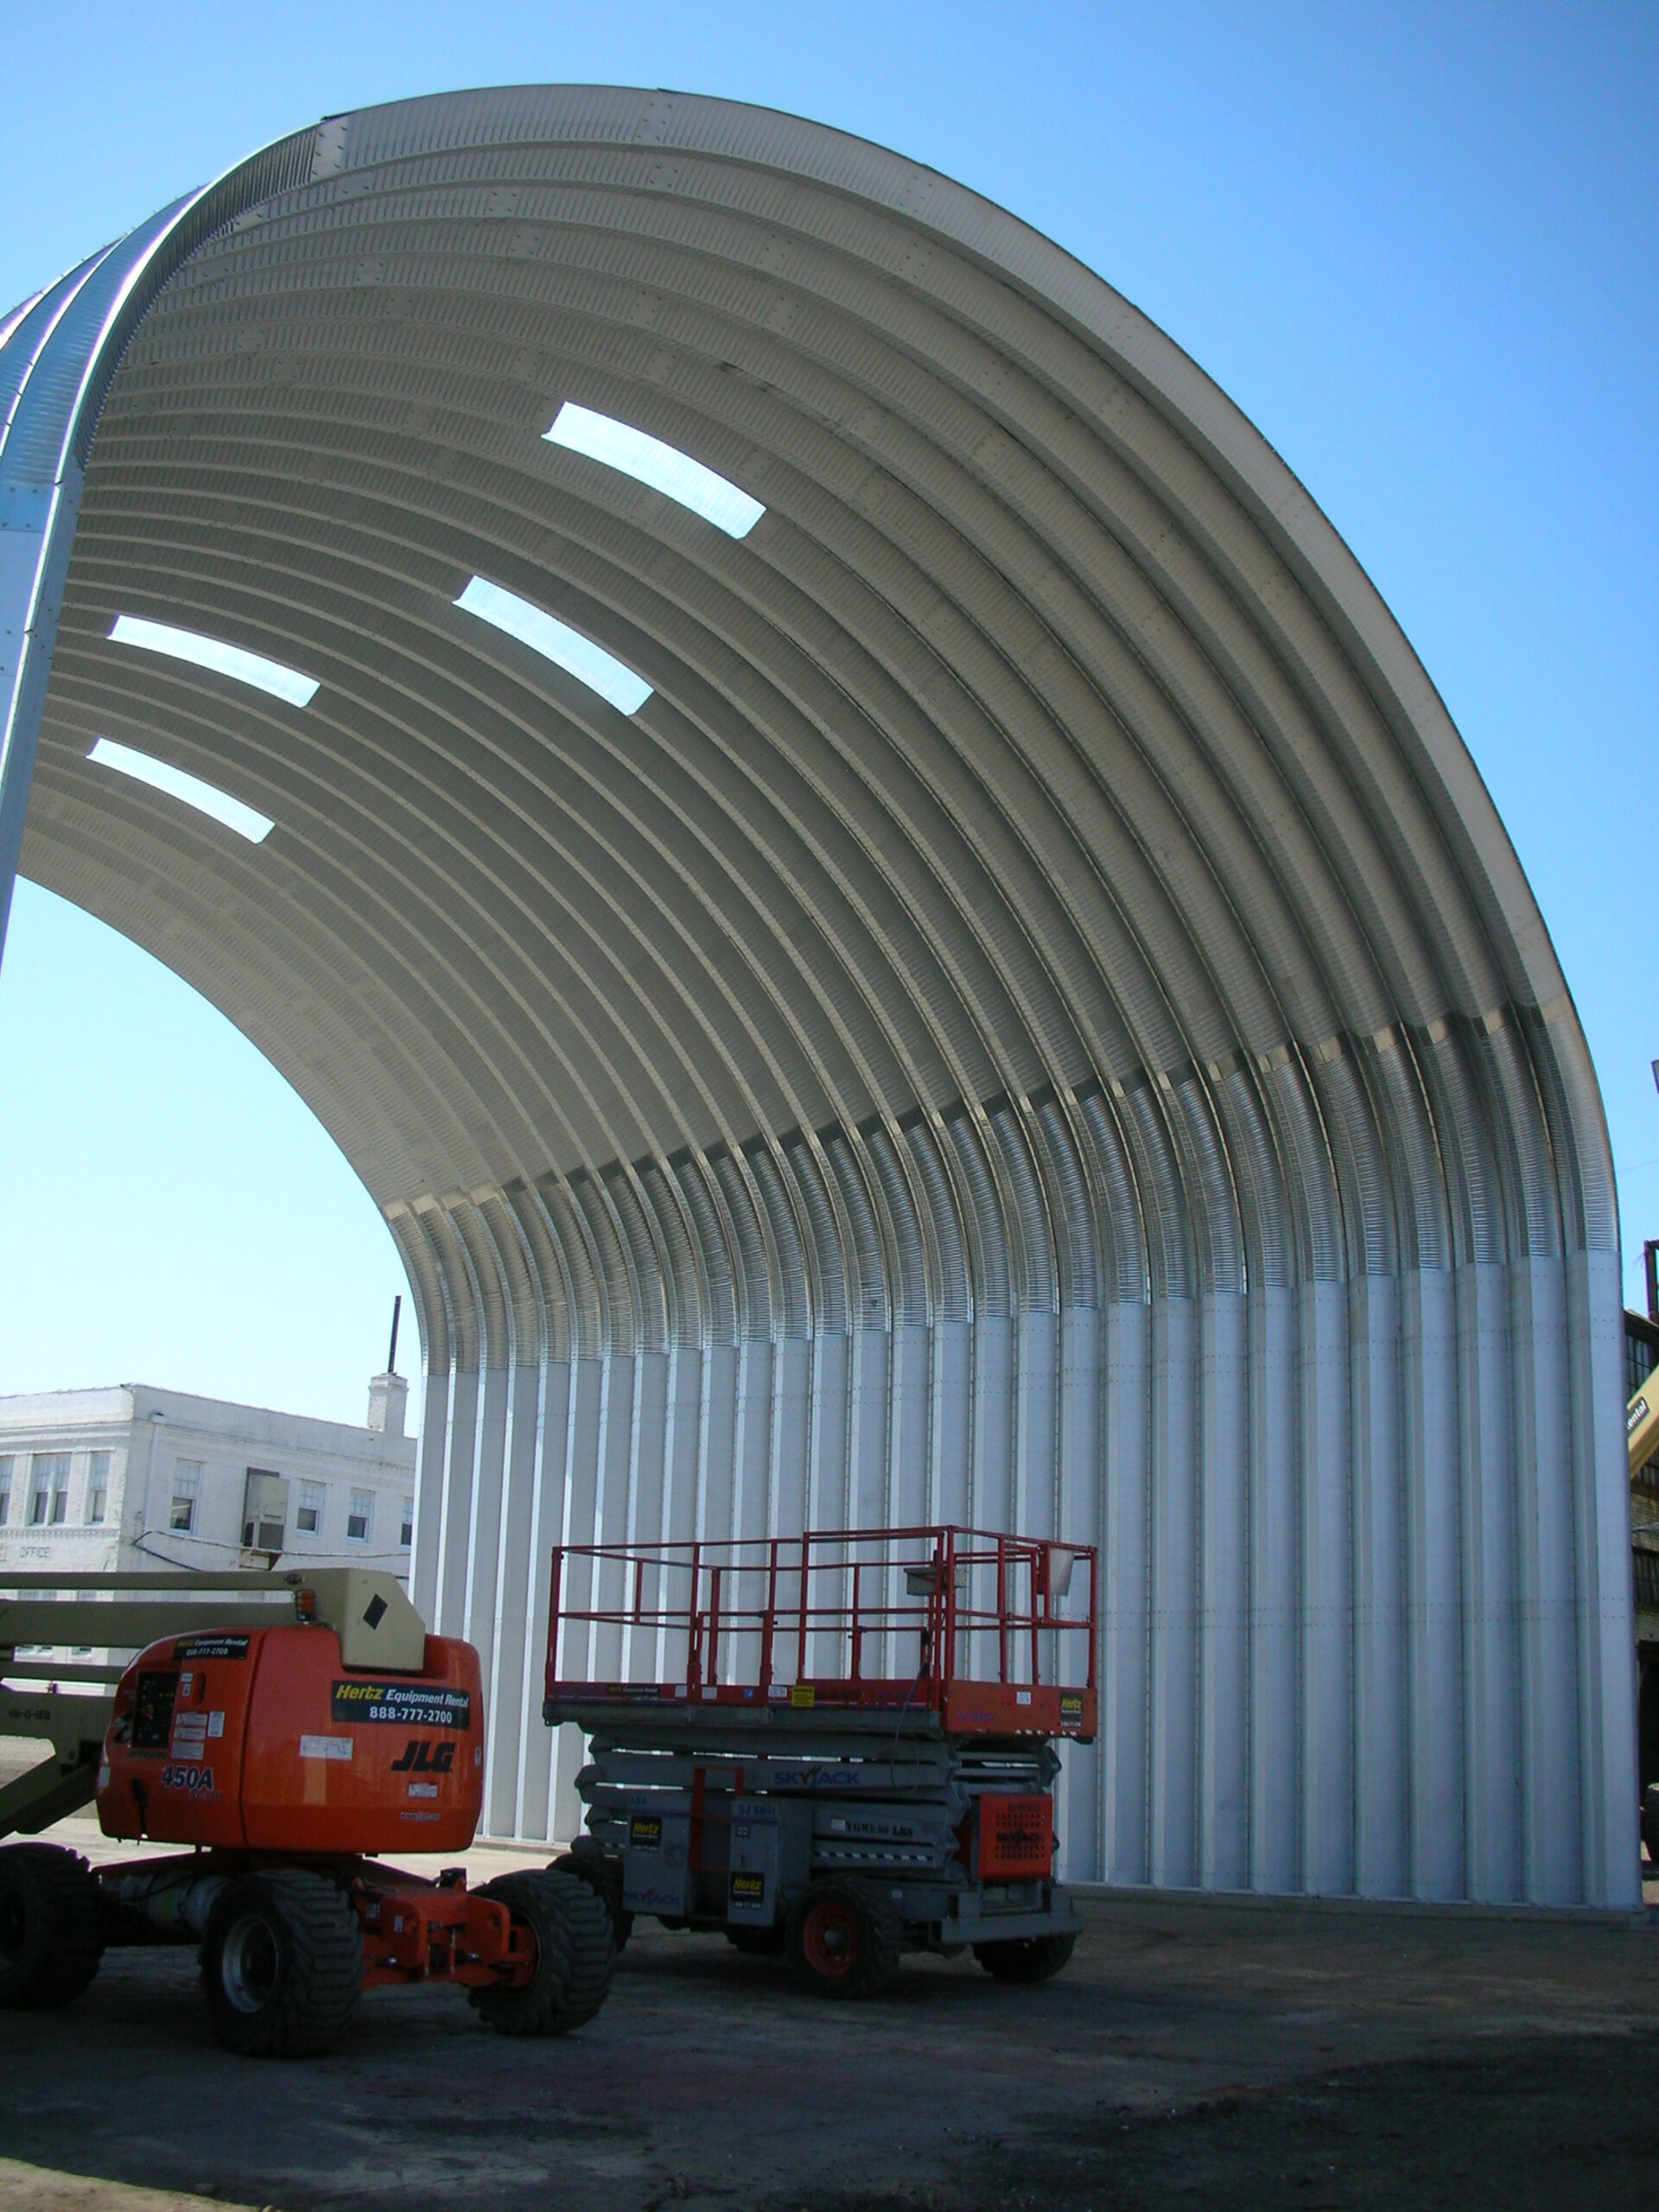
(840, 1744)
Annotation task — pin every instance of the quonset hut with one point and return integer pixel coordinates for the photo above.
(892, 923)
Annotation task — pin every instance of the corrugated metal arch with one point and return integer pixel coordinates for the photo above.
(1035, 1015)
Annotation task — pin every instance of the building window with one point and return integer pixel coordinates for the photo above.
(309, 1519)
(5, 1489)
(407, 1536)
(48, 1502)
(186, 1483)
(360, 1519)
(98, 1485)
(265, 1510)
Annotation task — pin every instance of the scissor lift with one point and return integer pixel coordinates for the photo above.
(838, 1745)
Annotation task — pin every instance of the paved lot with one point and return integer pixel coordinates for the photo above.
(1218, 2055)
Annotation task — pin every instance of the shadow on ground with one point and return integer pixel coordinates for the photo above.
(1196, 2052)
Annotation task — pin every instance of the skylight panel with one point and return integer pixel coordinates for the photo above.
(210, 652)
(664, 467)
(206, 798)
(556, 641)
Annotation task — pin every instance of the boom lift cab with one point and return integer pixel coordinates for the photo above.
(840, 1745)
(287, 1753)
(264, 1740)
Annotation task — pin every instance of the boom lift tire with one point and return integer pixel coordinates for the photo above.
(51, 1926)
(844, 1940)
(604, 1877)
(1035, 1958)
(575, 1955)
(282, 1964)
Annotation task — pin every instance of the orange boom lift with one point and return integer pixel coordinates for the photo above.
(285, 1754)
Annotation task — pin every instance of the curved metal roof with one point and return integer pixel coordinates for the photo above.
(1041, 882)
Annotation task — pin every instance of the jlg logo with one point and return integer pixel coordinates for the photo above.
(422, 1755)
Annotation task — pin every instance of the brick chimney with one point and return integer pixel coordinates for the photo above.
(388, 1396)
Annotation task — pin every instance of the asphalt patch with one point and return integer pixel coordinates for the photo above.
(1552, 2124)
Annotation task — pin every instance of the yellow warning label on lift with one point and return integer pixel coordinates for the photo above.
(802, 1693)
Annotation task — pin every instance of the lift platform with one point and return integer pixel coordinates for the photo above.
(839, 1744)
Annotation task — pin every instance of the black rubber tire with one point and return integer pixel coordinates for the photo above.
(282, 1964)
(843, 1940)
(603, 1876)
(1030, 1958)
(575, 1955)
(758, 1942)
(51, 1926)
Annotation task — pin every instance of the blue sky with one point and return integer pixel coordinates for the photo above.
(1417, 244)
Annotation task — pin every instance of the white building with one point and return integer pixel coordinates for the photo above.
(131, 1478)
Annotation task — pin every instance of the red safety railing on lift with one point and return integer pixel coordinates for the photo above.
(1003, 1627)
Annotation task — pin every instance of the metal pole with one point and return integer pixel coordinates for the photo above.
(800, 1661)
(769, 1625)
(555, 1600)
(952, 1626)
(694, 1627)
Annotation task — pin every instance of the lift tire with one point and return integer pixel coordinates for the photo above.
(51, 1926)
(282, 1964)
(1030, 1958)
(758, 1942)
(843, 1940)
(575, 1955)
(604, 1877)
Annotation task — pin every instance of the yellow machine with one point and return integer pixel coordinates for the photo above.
(1642, 1424)
(1642, 1436)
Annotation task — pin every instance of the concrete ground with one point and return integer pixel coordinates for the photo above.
(1225, 2055)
